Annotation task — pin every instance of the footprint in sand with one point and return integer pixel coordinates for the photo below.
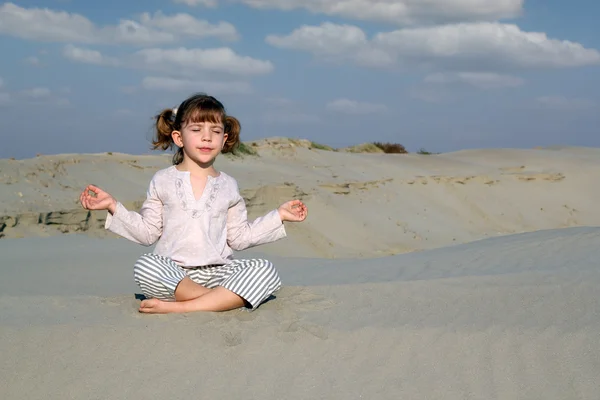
(302, 326)
(541, 177)
(301, 299)
(452, 180)
(519, 173)
(292, 303)
(346, 188)
(232, 339)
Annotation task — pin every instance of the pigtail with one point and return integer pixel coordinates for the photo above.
(165, 125)
(232, 129)
(164, 128)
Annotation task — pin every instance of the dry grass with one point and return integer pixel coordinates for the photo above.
(372, 147)
(364, 148)
(425, 152)
(320, 146)
(243, 149)
(391, 148)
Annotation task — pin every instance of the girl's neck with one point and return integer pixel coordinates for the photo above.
(196, 169)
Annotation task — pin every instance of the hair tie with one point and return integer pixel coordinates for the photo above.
(174, 115)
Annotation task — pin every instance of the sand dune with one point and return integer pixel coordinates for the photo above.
(467, 275)
(362, 205)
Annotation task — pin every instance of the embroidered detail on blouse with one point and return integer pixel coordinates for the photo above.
(212, 195)
(196, 212)
(180, 191)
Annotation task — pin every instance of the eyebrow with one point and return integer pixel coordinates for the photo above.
(220, 126)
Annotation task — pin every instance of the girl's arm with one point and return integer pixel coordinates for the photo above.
(144, 227)
(242, 234)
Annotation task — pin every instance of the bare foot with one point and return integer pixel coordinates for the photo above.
(217, 299)
(156, 306)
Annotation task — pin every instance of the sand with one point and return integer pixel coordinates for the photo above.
(478, 280)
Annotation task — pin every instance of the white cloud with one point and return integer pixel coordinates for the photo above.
(471, 46)
(178, 61)
(36, 95)
(561, 103)
(347, 106)
(40, 95)
(482, 80)
(43, 24)
(186, 25)
(333, 42)
(88, 56)
(190, 61)
(392, 11)
(183, 85)
(47, 25)
(193, 3)
(133, 33)
(486, 43)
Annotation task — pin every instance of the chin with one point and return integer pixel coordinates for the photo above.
(205, 159)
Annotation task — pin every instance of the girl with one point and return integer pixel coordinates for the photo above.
(197, 217)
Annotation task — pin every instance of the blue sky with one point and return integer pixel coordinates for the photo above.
(453, 74)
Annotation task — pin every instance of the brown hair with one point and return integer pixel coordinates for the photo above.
(197, 108)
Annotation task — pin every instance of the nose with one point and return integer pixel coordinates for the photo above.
(206, 135)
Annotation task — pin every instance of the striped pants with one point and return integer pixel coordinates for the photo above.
(254, 280)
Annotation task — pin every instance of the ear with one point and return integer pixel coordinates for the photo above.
(225, 136)
(177, 139)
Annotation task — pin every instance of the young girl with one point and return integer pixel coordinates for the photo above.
(196, 216)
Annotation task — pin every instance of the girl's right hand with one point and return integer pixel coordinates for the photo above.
(99, 201)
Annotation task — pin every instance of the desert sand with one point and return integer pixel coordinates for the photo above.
(465, 275)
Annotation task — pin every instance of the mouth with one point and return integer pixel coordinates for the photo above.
(205, 149)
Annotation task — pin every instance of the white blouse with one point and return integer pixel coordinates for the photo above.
(194, 232)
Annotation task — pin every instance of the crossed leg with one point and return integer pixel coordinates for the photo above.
(191, 296)
(161, 278)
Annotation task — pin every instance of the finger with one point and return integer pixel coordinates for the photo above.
(94, 188)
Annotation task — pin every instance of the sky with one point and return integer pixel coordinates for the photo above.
(81, 76)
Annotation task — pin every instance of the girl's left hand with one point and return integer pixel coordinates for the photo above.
(293, 210)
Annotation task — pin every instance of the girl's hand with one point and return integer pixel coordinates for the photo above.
(99, 201)
(293, 210)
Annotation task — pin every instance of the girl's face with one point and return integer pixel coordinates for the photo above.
(201, 141)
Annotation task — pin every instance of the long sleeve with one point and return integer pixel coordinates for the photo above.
(242, 234)
(144, 227)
